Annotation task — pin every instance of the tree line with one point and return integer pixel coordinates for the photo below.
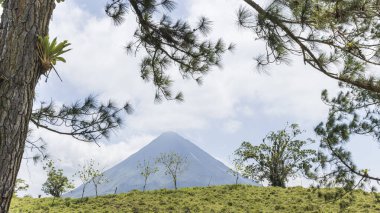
(57, 183)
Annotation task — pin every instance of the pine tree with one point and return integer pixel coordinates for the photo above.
(25, 23)
(324, 33)
(340, 39)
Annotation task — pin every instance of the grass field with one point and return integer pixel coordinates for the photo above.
(230, 198)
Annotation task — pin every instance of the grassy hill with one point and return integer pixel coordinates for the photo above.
(228, 198)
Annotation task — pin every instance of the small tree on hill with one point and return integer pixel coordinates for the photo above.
(20, 186)
(146, 170)
(56, 183)
(98, 179)
(174, 165)
(279, 157)
(236, 171)
(90, 173)
(84, 177)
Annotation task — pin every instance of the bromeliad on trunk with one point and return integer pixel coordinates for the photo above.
(50, 53)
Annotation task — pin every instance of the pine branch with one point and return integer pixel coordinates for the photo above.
(170, 43)
(86, 121)
(271, 26)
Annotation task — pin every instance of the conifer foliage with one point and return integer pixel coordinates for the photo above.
(340, 39)
(86, 120)
(325, 33)
(168, 42)
(353, 112)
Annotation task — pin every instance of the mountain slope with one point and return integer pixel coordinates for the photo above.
(202, 169)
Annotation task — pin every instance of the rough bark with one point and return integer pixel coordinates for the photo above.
(21, 22)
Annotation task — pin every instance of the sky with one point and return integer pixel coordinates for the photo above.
(236, 103)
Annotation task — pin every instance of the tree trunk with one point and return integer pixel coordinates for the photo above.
(21, 22)
(84, 187)
(96, 190)
(144, 184)
(175, 183)
(276, 181)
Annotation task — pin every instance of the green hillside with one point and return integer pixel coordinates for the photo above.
(211, 199)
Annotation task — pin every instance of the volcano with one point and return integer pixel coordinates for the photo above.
(201, 170)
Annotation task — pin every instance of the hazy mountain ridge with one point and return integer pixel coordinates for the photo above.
(202, 169)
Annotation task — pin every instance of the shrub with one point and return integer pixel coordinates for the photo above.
(377, 197)
(329, 196)
(186, 210)
(344, 204)
(171, 208)
(67, 202)
(82, 200)
(309, 197)
(45, 208)
(278, 207)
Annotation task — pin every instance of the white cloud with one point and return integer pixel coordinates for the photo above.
(288, 90)
(232, 126)
(245, 110)
(98, 64)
